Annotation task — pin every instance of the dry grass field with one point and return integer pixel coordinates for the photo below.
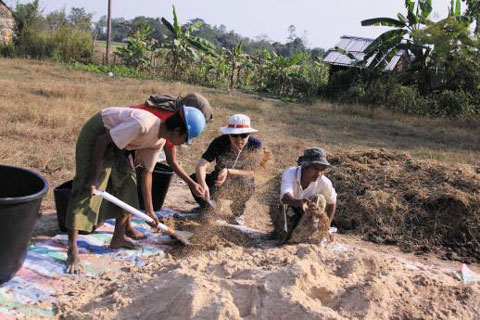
(44, 105)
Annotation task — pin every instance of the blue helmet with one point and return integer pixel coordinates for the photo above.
(194, 121)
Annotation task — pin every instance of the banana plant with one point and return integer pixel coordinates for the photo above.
(280, 70)
(245, 71)
(139, 45)
(385, 46)
(455, 9)
(473, 12)
(218, 65)
(181, 44)
(235, 58)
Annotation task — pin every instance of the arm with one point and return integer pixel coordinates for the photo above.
(251, 163)
(147, 194)
(290, 200)
(330, 211)
(224, 173)
(201, 172)
(171, 155)
(241, 173)
(101, 144)
(287, 191)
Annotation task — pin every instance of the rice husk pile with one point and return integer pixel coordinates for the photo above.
(420, 205)
(393, 199)
(209, 235)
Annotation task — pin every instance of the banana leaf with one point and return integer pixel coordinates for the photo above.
(383, 21)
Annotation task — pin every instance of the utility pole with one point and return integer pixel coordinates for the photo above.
(109, 27)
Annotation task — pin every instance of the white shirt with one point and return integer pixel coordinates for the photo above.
(135, 129)
(291, 183)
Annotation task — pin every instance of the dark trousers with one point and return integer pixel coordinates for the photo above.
(284, 219)
(237, 189)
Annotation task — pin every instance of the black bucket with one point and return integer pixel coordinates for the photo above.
(21, 192)
(62, 197)
(161, 177)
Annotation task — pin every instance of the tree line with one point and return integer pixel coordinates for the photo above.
(441, 78)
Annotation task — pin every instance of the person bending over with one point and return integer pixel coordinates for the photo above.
(101, 162)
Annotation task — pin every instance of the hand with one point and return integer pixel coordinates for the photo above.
(197, 189)
(304, 205)
(92, 190)
(222, 176)
(206, 191)
(311, 209)
(92, 186)
(155, 221)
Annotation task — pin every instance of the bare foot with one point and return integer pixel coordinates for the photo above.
(122, 242)
(74, 266)
(330, 237)
(133, 233)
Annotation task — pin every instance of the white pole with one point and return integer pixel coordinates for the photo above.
(129, 208)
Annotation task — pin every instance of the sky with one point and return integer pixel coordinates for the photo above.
(322, 21)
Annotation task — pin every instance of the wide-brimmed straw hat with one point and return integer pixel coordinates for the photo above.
(237, 124)
(313, 155)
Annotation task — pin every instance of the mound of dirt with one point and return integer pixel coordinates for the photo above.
(292, 282)
(392, 198)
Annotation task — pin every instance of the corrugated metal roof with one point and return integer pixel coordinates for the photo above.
(335, 57)
(356, 46)
(392, 64)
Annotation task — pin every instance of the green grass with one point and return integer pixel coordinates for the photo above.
(114, 45)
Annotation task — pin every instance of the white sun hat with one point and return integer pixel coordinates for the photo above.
(237, 124)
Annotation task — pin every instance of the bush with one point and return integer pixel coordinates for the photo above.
(65, 44)
(354, 94)
(376, 89)
(7, 50)
(403, 99)
(35, 44)
(72, 45)
(453, 103)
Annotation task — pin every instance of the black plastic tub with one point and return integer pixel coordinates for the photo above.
(62, 197)
(161, 177)
(21, 192)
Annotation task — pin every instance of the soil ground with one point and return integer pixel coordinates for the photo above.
(348, 279)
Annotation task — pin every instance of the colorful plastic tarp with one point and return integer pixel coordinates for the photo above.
(33, 290)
